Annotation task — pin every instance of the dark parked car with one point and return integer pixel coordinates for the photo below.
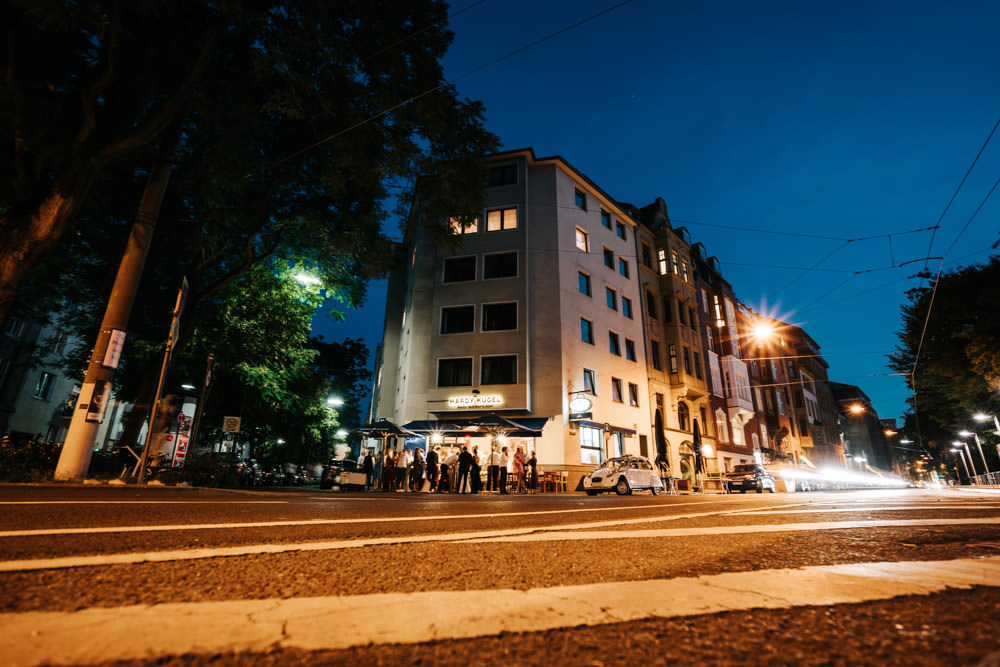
(750, 477)
(332, 471)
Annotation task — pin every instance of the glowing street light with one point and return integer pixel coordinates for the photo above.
(982, 417)
(856, 408)
(962, 458)
(961, 443)
(966, 434)
(306, 279)
(335, 401)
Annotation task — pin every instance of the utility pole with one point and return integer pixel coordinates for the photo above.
(74, 461)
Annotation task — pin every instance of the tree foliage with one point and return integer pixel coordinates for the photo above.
(295, 126)
(958, 371)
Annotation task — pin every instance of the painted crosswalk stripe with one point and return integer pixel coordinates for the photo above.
(81, 637)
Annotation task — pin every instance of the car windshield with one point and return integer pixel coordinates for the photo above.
(745, 468)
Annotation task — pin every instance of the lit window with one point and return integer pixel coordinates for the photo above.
(614, 344)
(661, 260)
(720, 426)
(455, 372)
(623, 267)
(737, 433)
(627, 307)
(583, 283)
(499, 370)
(459, 319)
(590, 381)
(581, 240)
(611, 298)
(586, 331)
(459, 269)
(633, 394)
(501, 219)
(591, 445)
(580, 198)
(458, 228)
(605, 218)
(500, 265)
(684, 271)
(616, 390)
(630, 349)
(672, 358)
(609, 258)
(499, 316)
(620, 231)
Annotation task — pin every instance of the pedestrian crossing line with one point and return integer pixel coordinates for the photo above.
(204, 628)
(574, 532)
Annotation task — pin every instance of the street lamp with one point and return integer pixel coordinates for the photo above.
(966, 434)
(335, 401)
(982, 417)
(962, 458)
(961, 443)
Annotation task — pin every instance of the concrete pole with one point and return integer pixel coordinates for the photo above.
(986, 469)
(74, 461)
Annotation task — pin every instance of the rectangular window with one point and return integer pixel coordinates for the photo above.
(627, 307)
(501, 219)
(499, 370)
(500, 265)
(651, 305)
(692, 320)
(616, 390)
(459, 269)
(458, 228)
(43, 388)
(686, 356)
(654, 355)
(611, 298)
(590, 381)
(684, 271)
(661, 260)
(580, 198)
(697, 365)
(614, 344)
(668, 308)
(586, 331)
(503, 175)
(609, 258)
(672, 358)
(633, 394)
(455, 372)
(791, 369)
(646, 255)
(499, 316)
(458, 319)
(630, 349)
(620, 231)
(605, 218)
(591, 445)
(583, 283)
(676, 262)
(623, 267)
(59, 341)
(681, 314)
(581, 240)
(15, 327)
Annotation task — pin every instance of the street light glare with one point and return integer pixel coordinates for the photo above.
(306, 279)
(856, 408)
(334, 401)
(762, 331)
(965, 434)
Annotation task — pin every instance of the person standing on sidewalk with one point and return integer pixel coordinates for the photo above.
(504, 460)
(432, 467)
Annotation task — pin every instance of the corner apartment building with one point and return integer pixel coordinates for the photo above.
(541, 303)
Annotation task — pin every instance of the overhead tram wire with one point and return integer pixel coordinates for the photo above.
(443, 84)
(420, 31)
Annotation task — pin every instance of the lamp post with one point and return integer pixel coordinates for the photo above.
(966, 434)
(961, 443)
(962, 458)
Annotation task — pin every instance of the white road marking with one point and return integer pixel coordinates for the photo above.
(82, 637)
(527, 534)
(37, 532)
(143, 502)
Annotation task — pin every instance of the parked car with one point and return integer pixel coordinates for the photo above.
(332, 472)
(623, 474)
(750, 477)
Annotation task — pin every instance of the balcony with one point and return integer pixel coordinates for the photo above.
(736, 386)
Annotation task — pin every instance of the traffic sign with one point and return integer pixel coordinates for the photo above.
(230, 424)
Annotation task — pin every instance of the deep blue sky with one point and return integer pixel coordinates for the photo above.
(846, 120)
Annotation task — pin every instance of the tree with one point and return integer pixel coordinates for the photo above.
(295, 128)
(958, 371)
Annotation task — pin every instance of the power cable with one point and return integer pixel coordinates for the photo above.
(422, 30)
(443, 84)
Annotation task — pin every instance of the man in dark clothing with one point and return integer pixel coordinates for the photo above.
(464, 466)
(432, 468)
(368, 468)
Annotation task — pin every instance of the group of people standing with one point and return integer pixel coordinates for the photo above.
(450, 470)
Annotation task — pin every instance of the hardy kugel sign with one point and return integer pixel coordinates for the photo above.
(475, 401)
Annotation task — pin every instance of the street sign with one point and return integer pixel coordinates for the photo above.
(230, 424)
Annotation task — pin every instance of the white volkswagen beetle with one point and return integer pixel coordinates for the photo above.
(624, 474)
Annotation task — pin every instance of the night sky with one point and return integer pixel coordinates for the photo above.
(805, 144)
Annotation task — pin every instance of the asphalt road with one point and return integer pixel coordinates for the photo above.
(94, 574)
